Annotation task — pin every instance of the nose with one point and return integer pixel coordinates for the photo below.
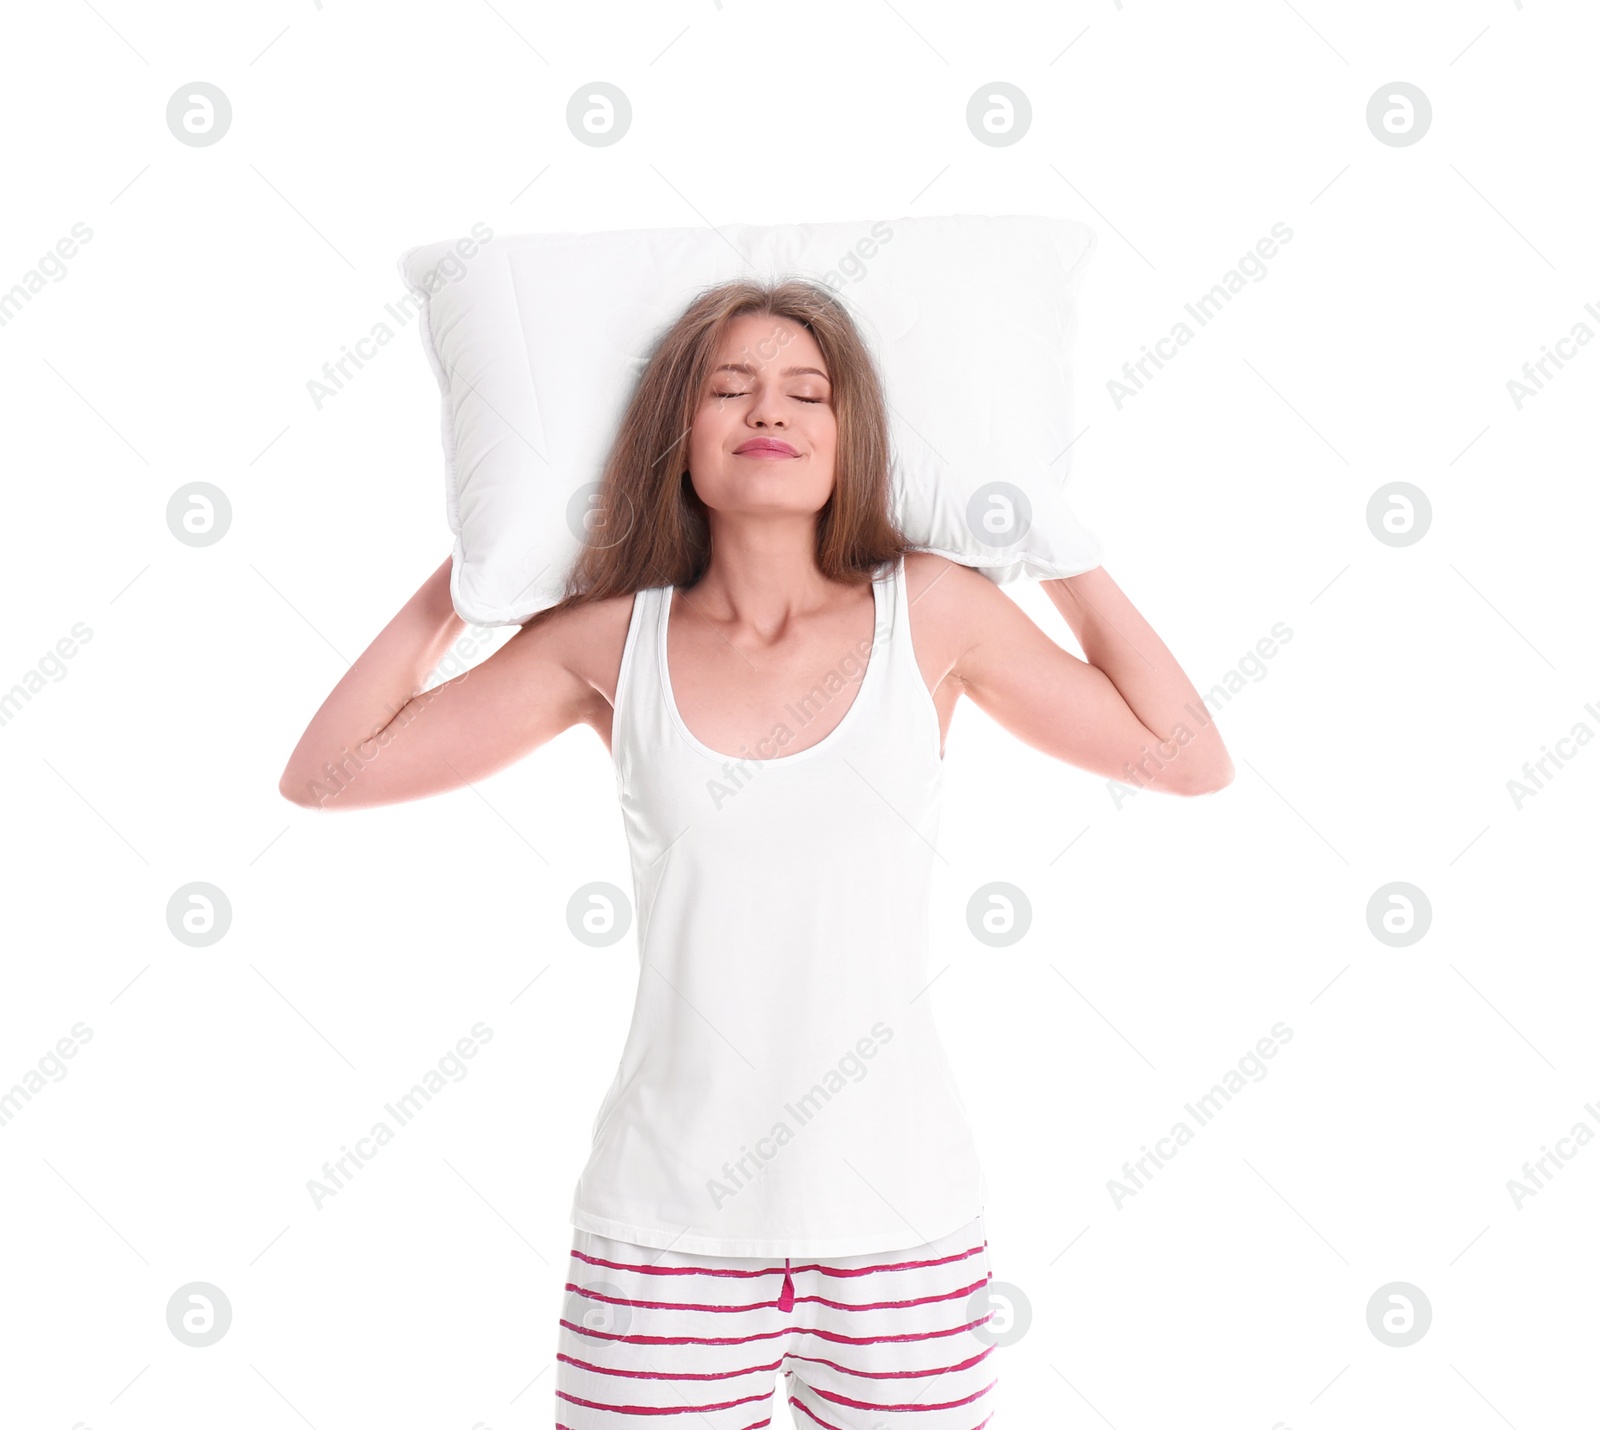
(766, 410)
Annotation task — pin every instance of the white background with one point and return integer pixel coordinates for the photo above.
(1231, 492)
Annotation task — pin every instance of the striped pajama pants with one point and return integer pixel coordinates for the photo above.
(888, 1341)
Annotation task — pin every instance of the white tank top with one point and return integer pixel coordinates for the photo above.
(782, 1090)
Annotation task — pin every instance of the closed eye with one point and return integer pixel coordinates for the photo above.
(746, 394)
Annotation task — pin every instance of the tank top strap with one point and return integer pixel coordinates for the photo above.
(914, 702)
(895, 624)
(899, 622)
(638, 693)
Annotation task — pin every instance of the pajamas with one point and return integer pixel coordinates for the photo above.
(877, 1342)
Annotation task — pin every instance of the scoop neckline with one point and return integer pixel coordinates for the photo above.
(671, 700)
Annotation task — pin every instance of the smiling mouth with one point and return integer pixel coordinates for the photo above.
(765, 449)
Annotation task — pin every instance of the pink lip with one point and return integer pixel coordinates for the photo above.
(765, 447)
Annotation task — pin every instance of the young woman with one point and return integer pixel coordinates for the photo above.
(739, 630)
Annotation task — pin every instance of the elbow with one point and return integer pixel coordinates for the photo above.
(1207, 781)
(296, 788)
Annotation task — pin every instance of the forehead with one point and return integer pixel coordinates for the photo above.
(759, 341)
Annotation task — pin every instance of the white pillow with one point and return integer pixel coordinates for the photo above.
(537, 341)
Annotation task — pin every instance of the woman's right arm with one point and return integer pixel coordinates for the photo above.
(380, 739)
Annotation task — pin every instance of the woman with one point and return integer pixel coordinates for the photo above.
(739, 631)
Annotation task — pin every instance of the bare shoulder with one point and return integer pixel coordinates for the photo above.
(929, 573)
(951, 606)
(584, 643)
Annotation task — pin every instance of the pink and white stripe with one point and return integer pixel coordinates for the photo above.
(879, 1342)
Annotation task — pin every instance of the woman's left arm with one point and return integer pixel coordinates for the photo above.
(1127, 712)
(1120, 643)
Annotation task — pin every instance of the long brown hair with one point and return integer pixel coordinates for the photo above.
(652, 528)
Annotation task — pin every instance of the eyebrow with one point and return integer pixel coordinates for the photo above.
(749, 371)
